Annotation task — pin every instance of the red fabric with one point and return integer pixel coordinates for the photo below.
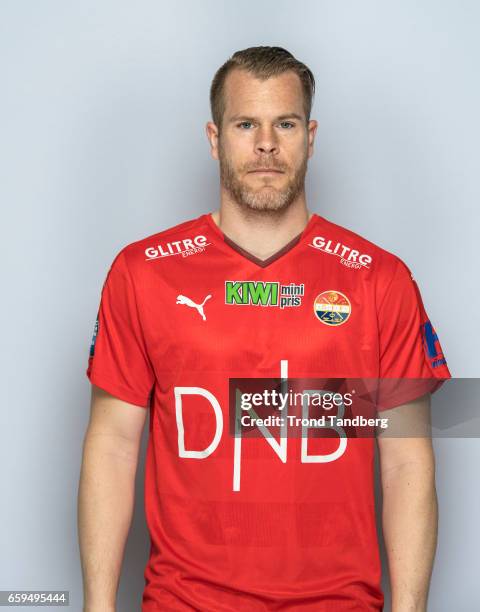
(240, 526)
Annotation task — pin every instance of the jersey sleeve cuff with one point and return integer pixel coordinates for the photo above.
(118, 391)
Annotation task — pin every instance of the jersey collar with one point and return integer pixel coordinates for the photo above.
(262, 263)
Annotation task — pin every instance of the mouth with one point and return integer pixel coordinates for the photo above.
(265, 171)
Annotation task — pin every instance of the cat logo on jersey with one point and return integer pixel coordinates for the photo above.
(332, 307)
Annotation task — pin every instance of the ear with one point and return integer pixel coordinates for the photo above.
(212, 135)
(312, 130)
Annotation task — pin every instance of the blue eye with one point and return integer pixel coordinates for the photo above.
(288, 124)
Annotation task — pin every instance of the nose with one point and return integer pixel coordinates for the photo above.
(266, 142)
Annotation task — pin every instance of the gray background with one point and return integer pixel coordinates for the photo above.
(103, 108)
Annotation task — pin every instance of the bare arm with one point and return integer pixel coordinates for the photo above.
(410, 511)
(106, 495)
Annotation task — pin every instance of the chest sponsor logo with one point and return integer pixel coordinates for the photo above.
(348, 257)
(279, 446)
(184, 247)
(332, 307)
(258, 293)
(186, 301)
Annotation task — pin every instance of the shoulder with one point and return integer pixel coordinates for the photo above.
(355, 250)
(173, 240)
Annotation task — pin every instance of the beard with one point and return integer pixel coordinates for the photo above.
(266, 197)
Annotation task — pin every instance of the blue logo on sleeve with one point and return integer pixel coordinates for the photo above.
(432, 345)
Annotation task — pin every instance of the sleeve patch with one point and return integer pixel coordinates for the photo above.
(432, 347)
(94, 337)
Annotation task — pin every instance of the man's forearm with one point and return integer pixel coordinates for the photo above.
(410, 521)
(105, 508)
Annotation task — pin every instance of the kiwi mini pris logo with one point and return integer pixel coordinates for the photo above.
(259, 293)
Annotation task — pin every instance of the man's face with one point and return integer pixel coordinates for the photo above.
(264, 127)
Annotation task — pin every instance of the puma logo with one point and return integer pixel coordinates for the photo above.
(183, 299)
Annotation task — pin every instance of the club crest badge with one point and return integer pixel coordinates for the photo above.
(332, 307)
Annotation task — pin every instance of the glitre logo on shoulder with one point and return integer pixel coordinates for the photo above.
(348, 257)
(184, 247)
(258, 293)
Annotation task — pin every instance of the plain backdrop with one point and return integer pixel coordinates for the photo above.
(103, 108)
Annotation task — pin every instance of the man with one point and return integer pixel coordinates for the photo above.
(261, 288)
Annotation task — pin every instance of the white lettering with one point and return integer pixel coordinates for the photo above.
(185, 247)
(196, 454)
(251, 419)
(355, 259)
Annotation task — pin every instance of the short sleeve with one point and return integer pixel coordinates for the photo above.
(118, 361)
(410, 351)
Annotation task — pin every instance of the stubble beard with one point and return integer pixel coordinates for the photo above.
(265, 198)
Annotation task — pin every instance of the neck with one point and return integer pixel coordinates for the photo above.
(262, 233)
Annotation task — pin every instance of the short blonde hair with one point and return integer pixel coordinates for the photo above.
(263, 63)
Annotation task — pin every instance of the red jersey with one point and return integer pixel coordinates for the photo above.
(249, 525)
